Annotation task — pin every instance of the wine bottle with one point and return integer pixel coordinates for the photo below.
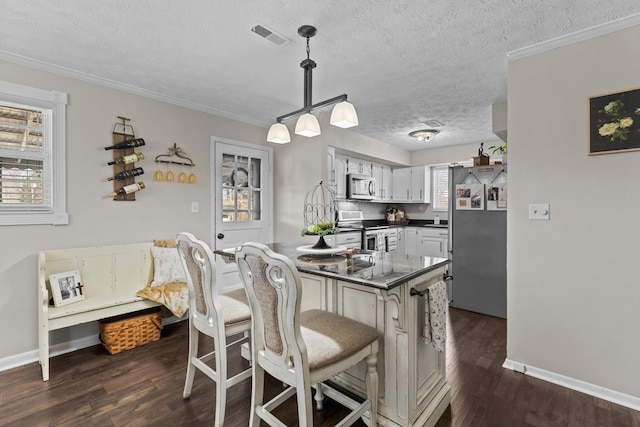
(128, 189)
(127, 174)
(125, 160)
(131, 143)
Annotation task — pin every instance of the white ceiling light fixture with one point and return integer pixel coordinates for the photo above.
(279, 134)
(424, 135)
(343, 115)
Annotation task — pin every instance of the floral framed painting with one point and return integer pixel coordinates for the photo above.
(614, 122)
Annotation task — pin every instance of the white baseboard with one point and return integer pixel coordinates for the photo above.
(591, 389)
(22, 359)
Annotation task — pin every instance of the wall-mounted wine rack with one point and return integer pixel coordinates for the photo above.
(122, 132)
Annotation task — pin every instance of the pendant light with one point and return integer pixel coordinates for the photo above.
(343, 115)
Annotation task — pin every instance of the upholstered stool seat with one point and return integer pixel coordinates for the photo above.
(236, 307)
(330, 337)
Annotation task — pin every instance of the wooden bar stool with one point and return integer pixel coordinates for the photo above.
(300, 349)
(217, 316)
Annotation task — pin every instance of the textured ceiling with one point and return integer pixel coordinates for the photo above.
(400, 62)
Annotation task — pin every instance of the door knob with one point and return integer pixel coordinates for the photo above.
(220, 236)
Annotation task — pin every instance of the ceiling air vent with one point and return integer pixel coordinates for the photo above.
(272, 36)
(433, 123)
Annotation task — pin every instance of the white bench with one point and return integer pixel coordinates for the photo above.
(110, 275)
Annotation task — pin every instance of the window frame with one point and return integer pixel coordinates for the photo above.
(55, 139)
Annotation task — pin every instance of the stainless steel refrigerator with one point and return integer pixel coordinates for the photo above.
(478, 239)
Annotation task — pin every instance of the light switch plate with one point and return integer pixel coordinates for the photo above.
(539, 211)
(195, 207)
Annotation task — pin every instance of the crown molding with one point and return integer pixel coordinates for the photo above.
(112, 84)
(579, 36)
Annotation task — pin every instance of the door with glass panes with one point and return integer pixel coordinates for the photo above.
(242, 203)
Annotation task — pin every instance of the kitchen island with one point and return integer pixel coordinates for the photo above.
(375, 288)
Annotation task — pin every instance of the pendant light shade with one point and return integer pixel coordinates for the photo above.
(344, 115)
(307, 125)
(279, 134)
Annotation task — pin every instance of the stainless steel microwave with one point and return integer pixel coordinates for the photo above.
(360, 187)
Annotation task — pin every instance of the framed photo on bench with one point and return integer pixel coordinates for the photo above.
(66, 288)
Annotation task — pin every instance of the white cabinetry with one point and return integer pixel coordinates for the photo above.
(421, 184)
(401, 185)
(358, 166)
(337, 173)
(383, 176)
(413, 389)
(412, 185)
(331, 168)
(426, 241)
(401, 241)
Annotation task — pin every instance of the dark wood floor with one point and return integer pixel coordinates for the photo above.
(143, 387)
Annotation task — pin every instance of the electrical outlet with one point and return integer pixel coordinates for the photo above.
(195, 207)
(539, 211)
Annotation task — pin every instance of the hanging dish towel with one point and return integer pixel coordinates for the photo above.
(435, 316)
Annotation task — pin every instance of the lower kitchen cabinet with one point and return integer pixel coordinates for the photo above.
(426, 241)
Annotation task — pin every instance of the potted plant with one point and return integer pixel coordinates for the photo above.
(500, 149)
(321, 229)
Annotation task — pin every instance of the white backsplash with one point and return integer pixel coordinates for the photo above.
(377, 210)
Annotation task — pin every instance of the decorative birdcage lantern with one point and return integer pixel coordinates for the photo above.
(319, 214)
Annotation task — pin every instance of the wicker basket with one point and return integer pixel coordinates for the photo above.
(118, 334)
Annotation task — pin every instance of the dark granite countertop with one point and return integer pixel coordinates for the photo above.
(412, 223)
(369, 268)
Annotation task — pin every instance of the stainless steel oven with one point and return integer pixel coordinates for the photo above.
(375, 239)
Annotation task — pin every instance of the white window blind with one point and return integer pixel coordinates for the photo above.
(440, 181)
(24, 169)
(32, 130)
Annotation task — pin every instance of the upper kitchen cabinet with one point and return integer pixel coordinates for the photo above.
(412, 185)
(337, 174)
(421, 184)
(383, 175)
(358, 166)
(401, 185)
(331, 168)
